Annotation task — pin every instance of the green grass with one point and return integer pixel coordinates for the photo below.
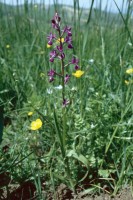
(99, 128)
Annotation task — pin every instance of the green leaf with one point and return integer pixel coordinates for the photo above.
(89, 191)
(79, 157)
(104, 173)
(1, 123)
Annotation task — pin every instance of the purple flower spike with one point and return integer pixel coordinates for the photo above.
(67, 77)
(62, 40)
(65, 102)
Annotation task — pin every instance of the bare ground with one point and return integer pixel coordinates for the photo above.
(27, 191)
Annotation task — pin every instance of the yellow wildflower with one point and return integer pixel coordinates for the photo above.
(30, 113)
(60, 40)
(35, 125)
(129, 71)
(78, 73)
(48, 46)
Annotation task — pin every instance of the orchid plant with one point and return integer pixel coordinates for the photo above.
(63, 39)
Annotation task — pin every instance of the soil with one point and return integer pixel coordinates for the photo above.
(27, 191)
(124, 194)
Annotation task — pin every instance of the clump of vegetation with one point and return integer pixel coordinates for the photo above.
(66, 100)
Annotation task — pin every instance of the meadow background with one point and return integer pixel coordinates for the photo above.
(99, 136)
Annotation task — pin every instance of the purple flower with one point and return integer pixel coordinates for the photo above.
(51, 59)
(57, 18)
(61, 56)
(70, 46)
(51, 79)
(51, 72)
(56, 22)
(68, 40)
(60, 48)
(67, 30)
(50, 38)
(66, 79)
(54, 25)
(65, 102)
(53, 54)
(76, 67)
(74, 61)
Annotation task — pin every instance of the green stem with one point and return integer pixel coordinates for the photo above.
(63, 97)
(63, 135)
